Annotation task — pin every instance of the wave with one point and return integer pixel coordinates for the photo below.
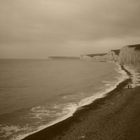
(71, 108)
(135, 76)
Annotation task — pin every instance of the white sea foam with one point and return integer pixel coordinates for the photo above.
(9, 130)
(135, 76)
(104, 92)
(40, 111)
(67, 112)
(70, 109)
(123, 73)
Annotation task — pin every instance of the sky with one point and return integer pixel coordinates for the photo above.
(40, 28)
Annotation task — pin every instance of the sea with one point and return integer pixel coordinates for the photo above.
(35, 94)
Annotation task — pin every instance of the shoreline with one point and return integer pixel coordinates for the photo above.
(59, 128)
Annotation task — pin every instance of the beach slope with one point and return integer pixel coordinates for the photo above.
(115, 117)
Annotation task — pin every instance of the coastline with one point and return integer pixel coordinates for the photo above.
(58, 129)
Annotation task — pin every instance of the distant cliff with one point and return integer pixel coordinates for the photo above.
(63, 57)
(95, 57)
(103, 57)
(130, 55)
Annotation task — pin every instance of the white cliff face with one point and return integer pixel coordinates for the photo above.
(99, 58)
(85, 57)
(112, 56)
(109, 57)
(129, 56)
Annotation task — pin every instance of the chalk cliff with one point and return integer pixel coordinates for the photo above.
(113, 55)
(130, 55)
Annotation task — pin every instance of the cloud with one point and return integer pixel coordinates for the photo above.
(56, 23)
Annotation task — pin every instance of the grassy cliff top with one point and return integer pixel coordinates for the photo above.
(136, 46)
(98, 54)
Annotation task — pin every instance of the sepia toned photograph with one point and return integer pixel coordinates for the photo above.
(69, 70)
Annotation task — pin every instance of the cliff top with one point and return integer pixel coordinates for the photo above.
(98, 54)
(136, 46)
(117, 52)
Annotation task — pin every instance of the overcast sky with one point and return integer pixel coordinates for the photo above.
(38, 28)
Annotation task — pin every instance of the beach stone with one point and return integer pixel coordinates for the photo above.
(82, 137)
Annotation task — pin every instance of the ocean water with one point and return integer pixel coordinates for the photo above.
(35, 94)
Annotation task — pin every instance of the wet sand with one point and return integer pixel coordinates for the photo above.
(114, 117)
